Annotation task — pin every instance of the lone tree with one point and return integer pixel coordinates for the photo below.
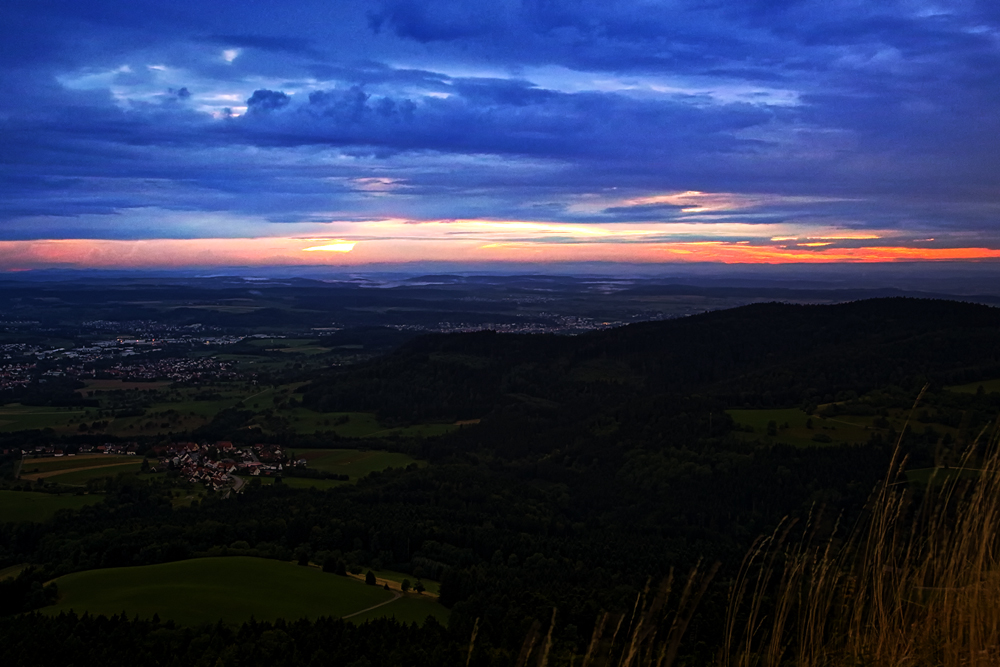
(419, 587)
(370, 578)
(405, 586)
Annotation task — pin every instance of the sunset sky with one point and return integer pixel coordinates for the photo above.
(144, 133)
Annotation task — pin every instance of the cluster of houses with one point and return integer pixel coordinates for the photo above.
(71, 364)
(22, 371)
(219, 465)
(555, 323)
(176, 369)
(16, 375)
(136, 326)
(121, 449)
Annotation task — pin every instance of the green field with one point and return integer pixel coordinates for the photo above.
(357, 424)
(280, 343)
(12, 571)
(989, 386)
(81, 477)
(205, 590)
(418, 430)
(353, 462)
(305, 346)
(166, 409)
(181, 410)
(48, 465)
(78, 470)
(31, 506)
(839, 429)
(17, 417)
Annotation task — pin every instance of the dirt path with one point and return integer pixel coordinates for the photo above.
(255, 395)
(12, 413)
(35, 475)
(393, 585)
(861, 426)
(395, 596)
(78, 457)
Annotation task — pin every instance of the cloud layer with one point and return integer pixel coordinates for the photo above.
(683, 120)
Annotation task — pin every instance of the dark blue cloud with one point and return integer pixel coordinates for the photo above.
(506, 109)
(264, 101)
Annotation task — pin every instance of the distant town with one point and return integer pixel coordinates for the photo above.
(217, 466)
(122, 358)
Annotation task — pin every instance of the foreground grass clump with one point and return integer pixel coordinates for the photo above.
(916, 583)
(205, 590)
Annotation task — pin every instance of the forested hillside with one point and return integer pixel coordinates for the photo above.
(761, 355)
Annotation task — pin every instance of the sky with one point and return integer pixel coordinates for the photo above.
(157, 134)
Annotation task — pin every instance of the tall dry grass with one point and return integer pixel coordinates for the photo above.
(648, 636)
(913, 584)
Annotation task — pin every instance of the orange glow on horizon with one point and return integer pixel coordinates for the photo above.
(177, 253)
(332, 246)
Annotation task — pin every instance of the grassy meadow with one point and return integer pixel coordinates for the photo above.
(81, 477)
(29, 506)
(354, 463)
(17, 417)
(795, 427)
(205, 590)
(45, 466)
(989, 386)
(356, 424)
(306, 346)
(167, 409)
(78, 470)
(13, 571)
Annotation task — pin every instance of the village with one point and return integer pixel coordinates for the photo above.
(218, 466)
(123, 357)
(175, 369)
